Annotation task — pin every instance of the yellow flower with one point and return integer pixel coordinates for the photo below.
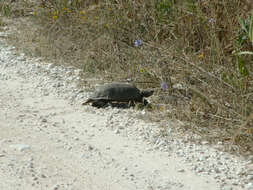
(55, 17)
(82, 12)
(141, 70)
(201, 56)
(162, 108)
(55, 13)
(65, 9)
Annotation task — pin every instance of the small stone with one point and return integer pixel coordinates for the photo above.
(250, 177)
(122, 127)
(200, 170)
(50, 66)
(20, 147)
(204, 142)
(250, 186)
(44, 120)
(227, 188)
(181, 170)
(250, 159)
(69, 147)
(55, 187)
(217, 170)
(90, 148)
(116, 131)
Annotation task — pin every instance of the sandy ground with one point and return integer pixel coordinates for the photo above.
(47, 142)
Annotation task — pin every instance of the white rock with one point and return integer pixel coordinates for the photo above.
(250, 186)
(20, 147)
(116, 131)
(204, 142)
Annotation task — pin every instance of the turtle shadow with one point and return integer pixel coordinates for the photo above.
(112, 105)
(120, 105)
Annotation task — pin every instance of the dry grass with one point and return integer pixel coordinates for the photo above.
(188, 44)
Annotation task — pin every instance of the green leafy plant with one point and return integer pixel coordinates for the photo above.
(6, 10)
(243, 70)
(246, 34)
(164, 8)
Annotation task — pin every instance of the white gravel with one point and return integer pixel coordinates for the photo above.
(49, 141)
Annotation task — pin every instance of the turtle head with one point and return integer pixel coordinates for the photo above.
(147, 93)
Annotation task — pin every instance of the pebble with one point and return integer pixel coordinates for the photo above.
(90, 147)
(204, 142)
(116, 131)
(20, 147)
(44, 120)
(250, 186)
(181, 170)
(250, 177)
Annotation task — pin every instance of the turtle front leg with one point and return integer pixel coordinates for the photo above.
(131, 103)
(145, 102)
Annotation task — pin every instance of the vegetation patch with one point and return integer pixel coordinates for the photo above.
(197, 55)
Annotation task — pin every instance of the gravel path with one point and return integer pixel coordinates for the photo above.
(49, 141)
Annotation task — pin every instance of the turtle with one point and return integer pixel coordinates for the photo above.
(118, 92)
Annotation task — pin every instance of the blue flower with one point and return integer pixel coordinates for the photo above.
(164, 85)
(138, 43)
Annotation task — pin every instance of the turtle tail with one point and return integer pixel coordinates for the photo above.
(147, 93)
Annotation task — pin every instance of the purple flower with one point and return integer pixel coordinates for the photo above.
(211, 20)
(164, 85)
(138, 43)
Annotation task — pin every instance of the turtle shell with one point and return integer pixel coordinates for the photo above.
(121, 92)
